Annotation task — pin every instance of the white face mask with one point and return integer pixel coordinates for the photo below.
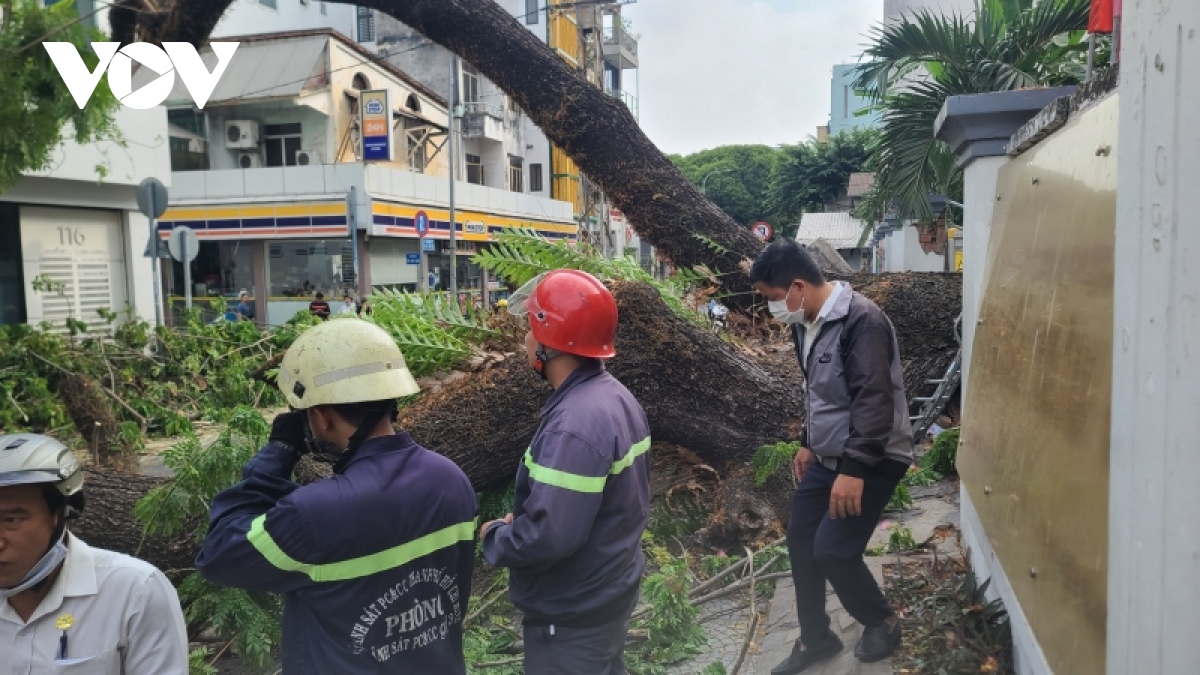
(44, 568)
(782, 314)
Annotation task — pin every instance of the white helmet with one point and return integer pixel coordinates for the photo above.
(344, 361)
(28, 459)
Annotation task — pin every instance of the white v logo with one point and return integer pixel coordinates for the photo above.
(75, 74)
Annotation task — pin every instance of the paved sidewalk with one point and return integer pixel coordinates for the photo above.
(782, 631)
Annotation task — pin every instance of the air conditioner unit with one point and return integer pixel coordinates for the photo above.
(241, 134)
(306, 158)
(249, 160)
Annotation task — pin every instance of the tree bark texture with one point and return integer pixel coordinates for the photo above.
(108, 521)
(699, 392)
(596, 130)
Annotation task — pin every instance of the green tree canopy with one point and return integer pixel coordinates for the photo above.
(737, 178)
(811, 174)
(37, 110)
(759, 183)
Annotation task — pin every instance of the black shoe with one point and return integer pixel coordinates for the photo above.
(878, 643)
(800, 659)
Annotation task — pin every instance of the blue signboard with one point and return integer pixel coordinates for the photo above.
(421, 222)
(412, 258)
(377, 126)
(428, 245)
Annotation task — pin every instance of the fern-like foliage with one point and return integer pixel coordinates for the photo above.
(769, 459)
(431, 331)
(520, 255)
(200, 473)
(250, 620)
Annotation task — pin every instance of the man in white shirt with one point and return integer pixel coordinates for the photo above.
(66, 607)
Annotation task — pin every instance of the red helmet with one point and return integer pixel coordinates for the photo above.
(572, 312)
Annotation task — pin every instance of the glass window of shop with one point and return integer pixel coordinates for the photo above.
(221, 271)
(298, 270)
(12, 282)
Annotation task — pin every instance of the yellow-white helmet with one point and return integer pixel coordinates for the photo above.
(344, 361)
(27, 459)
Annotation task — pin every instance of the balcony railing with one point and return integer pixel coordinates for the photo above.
(625, 97)
(484, 108)
(617, 35)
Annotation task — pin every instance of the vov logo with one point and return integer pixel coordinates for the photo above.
(179, 57)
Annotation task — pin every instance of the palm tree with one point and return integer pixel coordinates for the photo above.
(1009, 44)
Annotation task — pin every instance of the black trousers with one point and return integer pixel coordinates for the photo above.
(599, 650)
(823, 549)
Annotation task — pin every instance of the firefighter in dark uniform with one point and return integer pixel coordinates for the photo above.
(374, 563)
(573, 541)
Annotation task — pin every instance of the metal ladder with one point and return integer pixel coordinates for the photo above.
(932, 406)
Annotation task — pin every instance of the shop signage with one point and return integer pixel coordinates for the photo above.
(377, 142)
(412, 258)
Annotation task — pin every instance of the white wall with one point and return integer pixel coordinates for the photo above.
(72, 181)
(979, 198)
(146, 152)
(903, 253)
(1154, 531)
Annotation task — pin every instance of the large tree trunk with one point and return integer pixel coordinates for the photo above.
(594, 129)
(699, 392)
(108, 521)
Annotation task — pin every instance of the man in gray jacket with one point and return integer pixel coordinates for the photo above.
(855, 448)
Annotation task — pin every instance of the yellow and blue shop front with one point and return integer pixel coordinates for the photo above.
(396, 247)
(282, 253)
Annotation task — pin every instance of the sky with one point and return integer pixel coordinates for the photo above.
(721, 72)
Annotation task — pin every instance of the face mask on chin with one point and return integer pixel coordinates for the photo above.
(782, 314)
(41, 571)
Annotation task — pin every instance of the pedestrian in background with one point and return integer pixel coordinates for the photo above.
(855, 447)
(318, 307)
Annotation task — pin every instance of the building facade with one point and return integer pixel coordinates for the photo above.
(71, 237)
(847, 107)
(266, 172)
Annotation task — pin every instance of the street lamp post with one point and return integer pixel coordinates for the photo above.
(704, 182)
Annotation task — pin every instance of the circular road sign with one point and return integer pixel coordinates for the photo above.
(421, 221)
(175, 243)
(762, 230)
(152, 198)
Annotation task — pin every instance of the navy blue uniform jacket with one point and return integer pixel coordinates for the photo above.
(581, 504)
(374, 564)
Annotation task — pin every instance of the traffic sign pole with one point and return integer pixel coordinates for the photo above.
(158, 318)
(152, 202)
(187, 273)
(421, 223)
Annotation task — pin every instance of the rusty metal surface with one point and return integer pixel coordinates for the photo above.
(1034, 455)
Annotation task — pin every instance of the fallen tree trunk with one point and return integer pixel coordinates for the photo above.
(108, 521)
(700, 393)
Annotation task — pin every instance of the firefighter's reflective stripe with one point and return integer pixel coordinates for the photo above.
(358, 567)
(580, 483)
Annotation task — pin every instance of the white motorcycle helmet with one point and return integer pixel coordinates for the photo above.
(33, 459)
